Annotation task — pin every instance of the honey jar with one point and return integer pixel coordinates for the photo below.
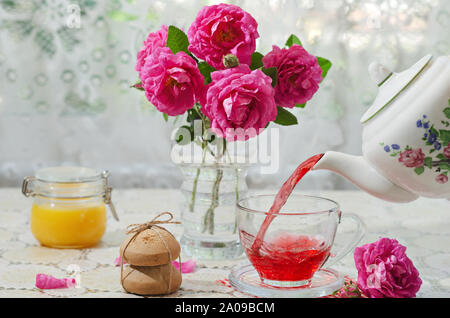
(69, 206)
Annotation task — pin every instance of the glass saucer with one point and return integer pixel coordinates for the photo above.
(246, 280)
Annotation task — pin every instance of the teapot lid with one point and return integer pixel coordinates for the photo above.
(391, 84)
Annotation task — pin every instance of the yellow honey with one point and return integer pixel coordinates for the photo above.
(68, 227)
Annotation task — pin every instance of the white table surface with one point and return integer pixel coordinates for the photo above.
(422, 226)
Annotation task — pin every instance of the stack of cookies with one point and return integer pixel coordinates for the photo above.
(149, 252)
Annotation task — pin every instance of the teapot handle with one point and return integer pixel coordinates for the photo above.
(359, 234)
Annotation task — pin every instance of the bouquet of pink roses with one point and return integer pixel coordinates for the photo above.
(215, 75)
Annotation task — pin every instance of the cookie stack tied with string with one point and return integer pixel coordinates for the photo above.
(150, 250)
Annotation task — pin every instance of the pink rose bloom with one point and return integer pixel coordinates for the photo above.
(299, 74)
(154, 40)
(442, 179)
(384, 270)
(222, 29)
(447, 151)
(412, 158)
(239, 102)
(172, 82)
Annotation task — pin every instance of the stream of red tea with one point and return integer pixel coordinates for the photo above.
(288, 257)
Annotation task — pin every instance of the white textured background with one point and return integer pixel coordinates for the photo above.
(65, 97)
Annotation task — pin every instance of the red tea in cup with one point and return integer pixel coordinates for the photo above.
(288, 257)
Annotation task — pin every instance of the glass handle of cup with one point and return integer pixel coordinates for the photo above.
(359, 234)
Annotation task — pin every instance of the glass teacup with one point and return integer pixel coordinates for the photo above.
(297, 242)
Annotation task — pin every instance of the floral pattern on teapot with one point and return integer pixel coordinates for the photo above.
(435, 154)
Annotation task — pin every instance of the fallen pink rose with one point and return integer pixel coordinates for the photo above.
(385, 271)
(44, 281)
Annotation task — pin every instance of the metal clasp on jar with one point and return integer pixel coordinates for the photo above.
(107, 196)
(25, 186)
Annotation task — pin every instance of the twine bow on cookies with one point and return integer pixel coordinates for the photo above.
(136, 229)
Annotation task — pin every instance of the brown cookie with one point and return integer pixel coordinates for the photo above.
(150, 248)
(151, 280)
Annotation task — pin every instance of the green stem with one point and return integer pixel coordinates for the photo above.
(236, 189)
(437, 163)
(204, 146)
(194, 187)
(194, 191)
(208, 222)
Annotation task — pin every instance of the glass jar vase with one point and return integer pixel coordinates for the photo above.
(69, 206)
(209, 211)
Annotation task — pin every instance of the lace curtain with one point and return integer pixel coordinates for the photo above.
(66, 67)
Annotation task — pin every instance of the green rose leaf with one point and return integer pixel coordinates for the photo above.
(177, 40)
(293, 39)
(444, 166)
(434, 131)
(447, 112)
(256, 61)
(441, 156)
(325, 65)
(192, 115)
(428, 162)
(444, 136)
(206, 71)
(285, 118)
(166, 117)
(300, 105)
(273, 73)
(138, 86)
(419, 170)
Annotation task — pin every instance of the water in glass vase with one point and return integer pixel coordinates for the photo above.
(209, 212)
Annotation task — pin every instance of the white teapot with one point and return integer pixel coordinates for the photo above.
(406, 135)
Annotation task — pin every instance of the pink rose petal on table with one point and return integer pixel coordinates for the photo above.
(186, 267)
(44, 281)
(118, 260)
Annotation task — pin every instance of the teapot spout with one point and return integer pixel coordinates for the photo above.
(358, 171)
